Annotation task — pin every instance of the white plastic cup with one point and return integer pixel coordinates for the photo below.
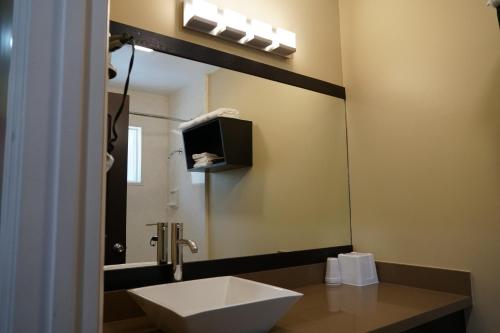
(333, 276)
(358, 269)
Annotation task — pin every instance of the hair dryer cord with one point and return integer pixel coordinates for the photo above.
(114, 133)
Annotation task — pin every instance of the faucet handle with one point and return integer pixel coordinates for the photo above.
(177, 230)
(156, 224)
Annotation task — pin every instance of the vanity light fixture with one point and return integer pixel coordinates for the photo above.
(234, 25)
(203, 16)
(200, 15)
(260, 36)
(143, 49)
(286, 42)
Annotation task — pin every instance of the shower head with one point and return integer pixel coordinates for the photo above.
(177, 151)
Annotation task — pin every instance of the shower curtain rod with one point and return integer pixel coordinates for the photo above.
(157, 116)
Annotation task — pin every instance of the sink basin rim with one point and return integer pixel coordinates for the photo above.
(286, 293)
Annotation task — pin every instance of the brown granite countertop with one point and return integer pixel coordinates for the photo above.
(382, 307)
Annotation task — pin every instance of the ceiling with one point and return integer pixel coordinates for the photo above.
(156, 72)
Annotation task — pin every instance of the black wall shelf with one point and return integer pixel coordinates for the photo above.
(229, 138)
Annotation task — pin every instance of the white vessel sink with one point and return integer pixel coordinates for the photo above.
(221, 304)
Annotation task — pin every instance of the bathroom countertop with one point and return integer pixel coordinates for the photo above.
(383, 307)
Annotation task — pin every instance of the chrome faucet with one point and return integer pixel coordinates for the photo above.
(161, 240)
(177, 245)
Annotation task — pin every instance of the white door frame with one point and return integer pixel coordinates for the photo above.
(51, 223)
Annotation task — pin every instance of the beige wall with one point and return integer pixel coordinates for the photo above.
(315, 22)
(295, 196)
(423, 85)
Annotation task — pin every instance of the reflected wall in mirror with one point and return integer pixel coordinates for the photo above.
(294, 197)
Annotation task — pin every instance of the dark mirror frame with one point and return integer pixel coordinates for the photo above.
(127, 278)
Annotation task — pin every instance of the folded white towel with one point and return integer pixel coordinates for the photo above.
(221, 112)
(204, 164)
(494, 3)
(204, 155)
(203, 160)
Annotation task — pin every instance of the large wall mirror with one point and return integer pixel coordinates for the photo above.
(295, 196)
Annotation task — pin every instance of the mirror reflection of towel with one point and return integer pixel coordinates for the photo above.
(205, 159)
(221, 112)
